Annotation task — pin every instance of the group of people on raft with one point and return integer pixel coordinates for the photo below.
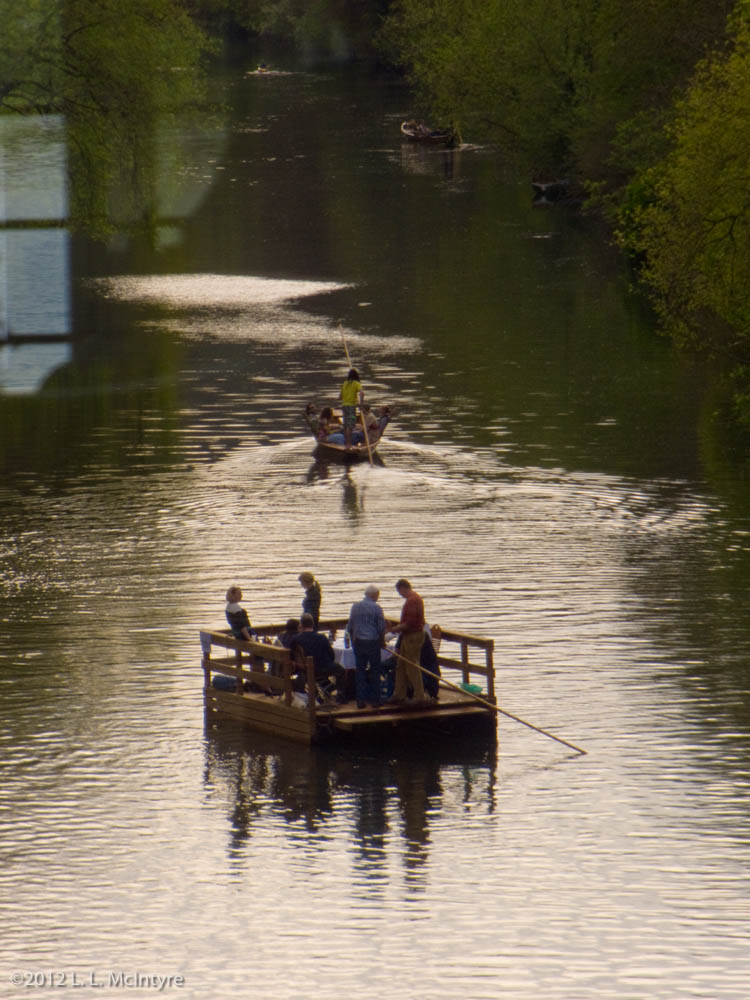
(326, 426)
(389, 657)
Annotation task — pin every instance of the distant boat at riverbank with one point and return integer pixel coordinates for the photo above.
(419, 132)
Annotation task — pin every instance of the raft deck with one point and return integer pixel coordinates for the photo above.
(263, 697)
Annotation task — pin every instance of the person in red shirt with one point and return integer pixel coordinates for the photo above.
(411, 631)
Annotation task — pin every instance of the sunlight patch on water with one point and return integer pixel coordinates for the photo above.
(190, 291)
(245, 308)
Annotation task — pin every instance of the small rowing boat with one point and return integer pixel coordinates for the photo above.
(419, 132)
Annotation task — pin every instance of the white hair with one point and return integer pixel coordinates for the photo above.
(371, 590)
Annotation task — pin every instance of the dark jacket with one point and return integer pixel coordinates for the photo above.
(315, 644)
(311, 602)
(237, 621)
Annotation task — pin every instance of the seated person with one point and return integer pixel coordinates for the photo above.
(308, 642)
(428, 659)
(334, 433)
(291, 629)
(285, 639)
(385, 416)
(372, 424)
(237, 616)
(328, 427)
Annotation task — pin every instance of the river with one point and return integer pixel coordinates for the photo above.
(552, 479)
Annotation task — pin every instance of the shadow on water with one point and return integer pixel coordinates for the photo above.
(369, 789)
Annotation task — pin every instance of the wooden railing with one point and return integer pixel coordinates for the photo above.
(467, 668)
(256, 655)
(261, 664)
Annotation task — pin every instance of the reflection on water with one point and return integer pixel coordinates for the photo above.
(243, 308)
(380, 791)
(35, 278)
(25, 367)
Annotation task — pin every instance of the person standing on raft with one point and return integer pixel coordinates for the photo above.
(313, 597)
(411, 632)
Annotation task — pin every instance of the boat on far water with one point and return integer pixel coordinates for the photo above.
(419, 132)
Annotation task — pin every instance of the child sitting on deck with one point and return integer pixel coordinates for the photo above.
(237, 616)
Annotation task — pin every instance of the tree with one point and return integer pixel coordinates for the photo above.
(503, 69)
(581, 85)
(693, 231)
(111, 69)
(639, 58)
(339, 29)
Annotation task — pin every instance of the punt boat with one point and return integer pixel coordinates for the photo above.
(327, 451)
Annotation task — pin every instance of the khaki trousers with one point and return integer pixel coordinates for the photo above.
(410, 649)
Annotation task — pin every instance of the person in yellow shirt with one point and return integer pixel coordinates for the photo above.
(351, 394)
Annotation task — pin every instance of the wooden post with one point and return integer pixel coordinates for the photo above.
(312, 694)
(490, 672)
(238, 661)
(287, 674)
(465, 661)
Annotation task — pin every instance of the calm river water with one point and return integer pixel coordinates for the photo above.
(554, 479)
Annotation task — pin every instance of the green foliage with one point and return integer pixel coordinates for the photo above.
(640, 56)
(693, 230)
(565, 82)
(503, 69)
(646, 102)
(30, 48)
(111, 69)
(339, 29)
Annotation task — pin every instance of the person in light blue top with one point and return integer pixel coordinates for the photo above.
(367, 630)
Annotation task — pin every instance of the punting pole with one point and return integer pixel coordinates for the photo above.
(364, 426)
(488, 704)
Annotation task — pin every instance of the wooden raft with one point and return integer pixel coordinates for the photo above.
(263, 697)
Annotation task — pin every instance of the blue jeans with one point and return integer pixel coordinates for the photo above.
(367, 672)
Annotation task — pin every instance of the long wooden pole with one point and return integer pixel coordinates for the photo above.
(488, 704)
(361, 413)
